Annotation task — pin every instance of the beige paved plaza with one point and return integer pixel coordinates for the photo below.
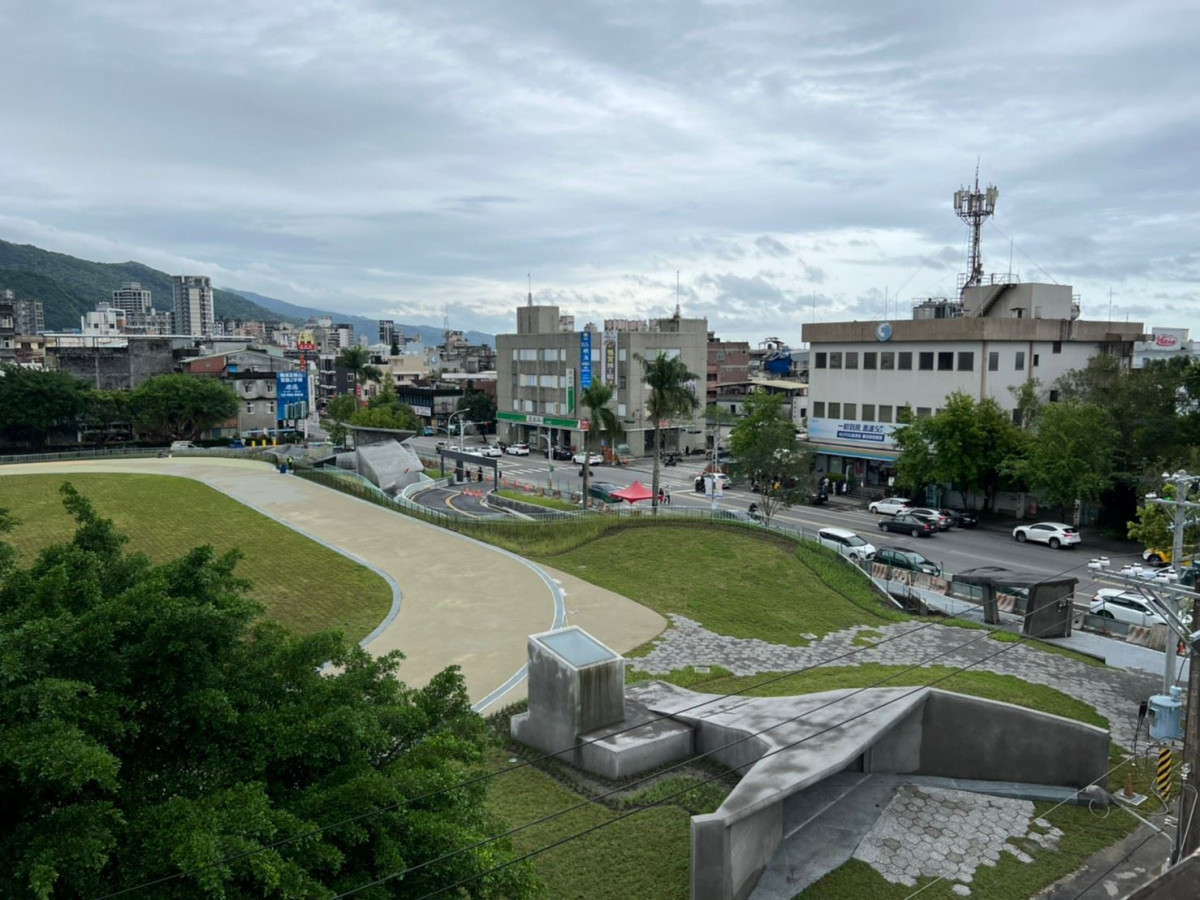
(463, 602)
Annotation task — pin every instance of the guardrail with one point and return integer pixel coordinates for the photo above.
(131, 453)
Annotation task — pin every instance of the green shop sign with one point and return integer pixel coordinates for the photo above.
(538, 420)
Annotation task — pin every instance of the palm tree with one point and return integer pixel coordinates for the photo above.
(357, 361)
(596, 398)
(667, 378)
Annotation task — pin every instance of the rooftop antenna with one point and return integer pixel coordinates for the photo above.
(529, 302)
(676, 293)
(975, 207)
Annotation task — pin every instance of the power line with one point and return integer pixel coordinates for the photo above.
(1023, 253)
(1105, 873)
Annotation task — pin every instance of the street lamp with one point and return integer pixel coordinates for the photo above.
(461, 428)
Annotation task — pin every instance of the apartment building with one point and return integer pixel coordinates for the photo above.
(193, 299)
(996, 339)
(542, 369)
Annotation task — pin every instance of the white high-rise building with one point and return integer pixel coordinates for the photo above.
(132, 297)
(193, 304)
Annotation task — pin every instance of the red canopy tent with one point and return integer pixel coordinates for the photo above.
(635, 492)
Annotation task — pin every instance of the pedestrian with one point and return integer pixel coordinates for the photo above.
(661, 494)
(667, 495)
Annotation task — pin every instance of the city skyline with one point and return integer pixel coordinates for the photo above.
(792, 165)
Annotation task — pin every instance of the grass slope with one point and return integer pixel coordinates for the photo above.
(302, 584)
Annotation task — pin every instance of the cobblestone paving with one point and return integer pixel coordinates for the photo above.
(1114, 693)
(927, 832)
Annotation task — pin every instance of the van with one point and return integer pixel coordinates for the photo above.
(847, 543)
(183, 445)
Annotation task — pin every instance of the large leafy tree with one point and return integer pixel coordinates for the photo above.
(156, 728)
(104, 411)
(182, 407)
(338, 414)
(596, 400)
(668, 378)
(1154, 526)
(357, 361)
(34, 402)
(764, 447)
(480, 409)
(1070, 456)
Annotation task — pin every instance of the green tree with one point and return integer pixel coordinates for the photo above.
(357, 361)
(400, 417)
(668, 378)
(1070, 454)
(596, 400)
(764, 444)
(104, 411)
(1154, 527)
(154, 725)
(34, 402)
(182, 407)
(480, 410)
(916, 459)
(338, 413)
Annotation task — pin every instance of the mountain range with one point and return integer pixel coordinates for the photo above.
(69, 287)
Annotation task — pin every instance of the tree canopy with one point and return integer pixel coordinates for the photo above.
(34, 402)
(764, 447)
(156, 728)
(596, 399)
(357, 361)
(668, 378)
(181, 407)
(480, 410)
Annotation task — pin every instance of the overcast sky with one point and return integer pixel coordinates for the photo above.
(791, 160)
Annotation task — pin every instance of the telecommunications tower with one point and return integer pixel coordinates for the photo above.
(975, 207)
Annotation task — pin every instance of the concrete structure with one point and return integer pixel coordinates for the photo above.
(542, 369)
(103, 321)
(19, 318)
(8, 328)
(863, 374)
(140, 315)
(114, 363)
(1163, 344)
(193, 305)
(28, 316)
(387, 464)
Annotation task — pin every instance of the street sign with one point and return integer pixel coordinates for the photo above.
(585, 424)
(585, 359)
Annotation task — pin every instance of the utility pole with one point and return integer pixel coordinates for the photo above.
(1189, 824)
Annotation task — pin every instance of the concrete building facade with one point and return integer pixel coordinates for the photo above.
(193, 299)
(542, 369)
(114, 364)
(1162, 344)
(862, 374)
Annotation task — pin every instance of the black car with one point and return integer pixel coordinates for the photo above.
(961, 518)
(561, 453)
(907, 524)
(910, 560)
(816, 498)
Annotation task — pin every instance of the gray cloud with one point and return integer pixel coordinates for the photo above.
(771, 247)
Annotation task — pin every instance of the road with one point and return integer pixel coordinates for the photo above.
(955, 550)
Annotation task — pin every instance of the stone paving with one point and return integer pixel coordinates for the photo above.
(1114, 693)
(928, 832)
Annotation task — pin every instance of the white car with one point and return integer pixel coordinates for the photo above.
(517, 450)
(489, 450)
(592, 459)
(1056, 534)
(1124, 606)
(847, 543)
(892, 506)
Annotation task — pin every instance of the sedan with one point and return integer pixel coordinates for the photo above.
(1124, 606)
(933, 516)
(909, 560)
(907, 524)
(560, 453)
(489, 450)
(961, 518)
(517, 450)
(1056, 534)
(592, 459)
(891, 506)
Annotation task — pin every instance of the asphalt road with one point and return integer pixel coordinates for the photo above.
(956, 550)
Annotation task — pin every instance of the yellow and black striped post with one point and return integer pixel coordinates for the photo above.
(1162, 781)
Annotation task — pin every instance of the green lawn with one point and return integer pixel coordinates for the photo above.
(302, 584)
(732, 581)
(535, 500)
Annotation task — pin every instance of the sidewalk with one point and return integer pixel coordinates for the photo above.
(461, 602)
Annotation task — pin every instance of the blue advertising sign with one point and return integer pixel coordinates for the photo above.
(291, 390)
(585, 360)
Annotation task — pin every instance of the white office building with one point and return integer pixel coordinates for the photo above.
(1001, 336)
(1162, 344)
(193, 296)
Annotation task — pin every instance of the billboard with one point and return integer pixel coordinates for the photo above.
(874, 434)
(585, 360)
(305, 341)
(291, 395)
(609, 355)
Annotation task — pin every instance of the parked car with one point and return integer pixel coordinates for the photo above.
(1056, 534)
(961, 518)
(847, 543)
(517, 450)
(1124, 606)
(561, 453)
(889, 506)
(909, 560)
(933, 516)
(907, 523)
(817, 497)
(490, 450)
(602, 490)
(592, 459)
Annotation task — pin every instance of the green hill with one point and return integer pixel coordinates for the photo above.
(69, 287)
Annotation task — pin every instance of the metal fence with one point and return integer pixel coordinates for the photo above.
(130, 453)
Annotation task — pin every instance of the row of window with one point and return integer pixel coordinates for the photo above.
(551, 408)
(926, 360)
(270, 407)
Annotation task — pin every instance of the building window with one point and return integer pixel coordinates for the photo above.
(271, 407)
(966, 361)
(1036, 359)
(835, 360)
(887, 360)
(1020, 364)
(620, 382)
(621, 355)
(851, 359)
(835, 410)
(868, 412)
(818, 409)
(993, 360)
(904, 360)
(249, 409)
(849, 411)
(869, 360)
(820, 360)
(946, 361)
(885, 413)
(925, 361)
(923, 412)
(720, 356)
(1056, 347)
(1054, 396)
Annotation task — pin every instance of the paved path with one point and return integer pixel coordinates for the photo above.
(1115, 693)
(461, 601)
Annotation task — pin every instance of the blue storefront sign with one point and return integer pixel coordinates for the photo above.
(585, 360)
(291, 395)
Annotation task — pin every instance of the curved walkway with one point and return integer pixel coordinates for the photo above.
(461, 602)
